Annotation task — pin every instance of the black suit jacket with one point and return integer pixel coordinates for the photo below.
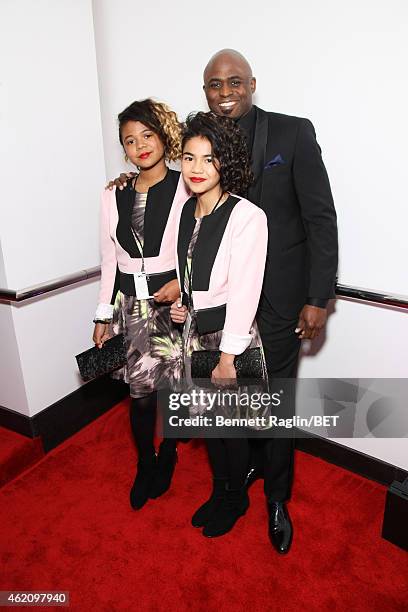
(292, 187)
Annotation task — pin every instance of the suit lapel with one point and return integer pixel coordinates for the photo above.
(258, 155)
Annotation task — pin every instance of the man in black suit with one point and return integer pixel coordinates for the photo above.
(292, 187)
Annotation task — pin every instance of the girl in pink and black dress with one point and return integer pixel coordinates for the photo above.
(139, 282)
(221, 254)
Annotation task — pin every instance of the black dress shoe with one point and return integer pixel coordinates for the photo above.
(280, 527)
(163, 473)
(139, 493)
(206, 511)
(233, 506)
(254, 473)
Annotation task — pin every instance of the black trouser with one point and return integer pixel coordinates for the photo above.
(281, 346)
(229, 459)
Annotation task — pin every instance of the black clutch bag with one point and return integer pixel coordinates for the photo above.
(249, 364)
(95, 362)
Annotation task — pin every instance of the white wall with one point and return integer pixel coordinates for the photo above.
(52, 168)
(340, 63)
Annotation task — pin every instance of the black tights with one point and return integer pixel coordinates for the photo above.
(143, 412)
(229, 458)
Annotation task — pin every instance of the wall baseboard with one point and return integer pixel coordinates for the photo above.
(15, 421)
(70, 414)
(350, 459)
(395, 516)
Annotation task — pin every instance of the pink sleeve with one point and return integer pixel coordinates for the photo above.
(245, 278)
(108, 259)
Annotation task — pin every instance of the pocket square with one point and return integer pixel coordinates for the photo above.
(275, 161)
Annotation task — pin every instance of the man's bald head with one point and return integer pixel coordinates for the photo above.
(228, 56)
(229, 84)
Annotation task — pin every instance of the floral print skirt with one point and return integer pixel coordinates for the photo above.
(193, 341)
(154, 350)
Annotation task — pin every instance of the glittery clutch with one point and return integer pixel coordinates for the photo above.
(95, 362)
(249, 364)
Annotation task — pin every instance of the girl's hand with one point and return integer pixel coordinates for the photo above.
(224, 374)
(101, 334)
(170, 292)
(178, 312)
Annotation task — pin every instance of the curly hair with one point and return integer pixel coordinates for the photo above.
(228, 146)
(160, 119)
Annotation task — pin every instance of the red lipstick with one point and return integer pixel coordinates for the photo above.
(197, 179)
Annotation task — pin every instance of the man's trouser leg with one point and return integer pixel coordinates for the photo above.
(281, 346)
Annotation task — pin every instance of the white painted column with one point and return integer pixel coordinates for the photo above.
(52, 173)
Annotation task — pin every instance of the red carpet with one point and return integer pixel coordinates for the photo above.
(66, 524)
(17, 453)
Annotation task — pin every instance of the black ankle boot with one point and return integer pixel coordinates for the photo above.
(206, 511)
(139, 493)
(234, 505)
(166, 462)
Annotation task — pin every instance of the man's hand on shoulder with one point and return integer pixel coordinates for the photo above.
(121, 181)
(312, 319)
